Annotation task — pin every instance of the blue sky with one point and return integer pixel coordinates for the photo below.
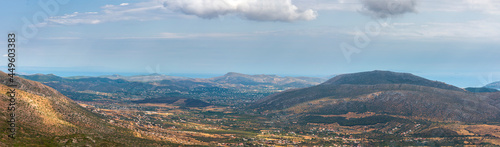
(455, 41)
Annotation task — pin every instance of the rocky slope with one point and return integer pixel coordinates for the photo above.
(46, 117)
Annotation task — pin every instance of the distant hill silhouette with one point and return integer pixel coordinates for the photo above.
(115, 87)
(494, 85)
(254, 80)
(480, 89)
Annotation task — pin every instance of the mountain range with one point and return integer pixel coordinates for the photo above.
(142, 78)
(385, 93)
(117, 87)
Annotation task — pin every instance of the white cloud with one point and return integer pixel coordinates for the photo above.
(259, 10)
(336, 5)
(484, 6)
(143, 11)
(170, 35)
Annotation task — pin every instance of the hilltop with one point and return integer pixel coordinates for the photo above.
(386, 77)
(494, 85)
(385, 93)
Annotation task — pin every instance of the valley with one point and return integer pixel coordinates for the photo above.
(376, 108)
(228, 126)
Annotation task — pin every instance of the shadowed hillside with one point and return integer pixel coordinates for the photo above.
(386, 77)
(480, 89)
(385, 92)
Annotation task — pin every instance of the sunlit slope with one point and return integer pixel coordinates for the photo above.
(46, 117)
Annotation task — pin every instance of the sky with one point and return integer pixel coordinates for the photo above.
(454, 41)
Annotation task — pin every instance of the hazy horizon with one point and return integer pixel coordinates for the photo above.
(457, 79)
